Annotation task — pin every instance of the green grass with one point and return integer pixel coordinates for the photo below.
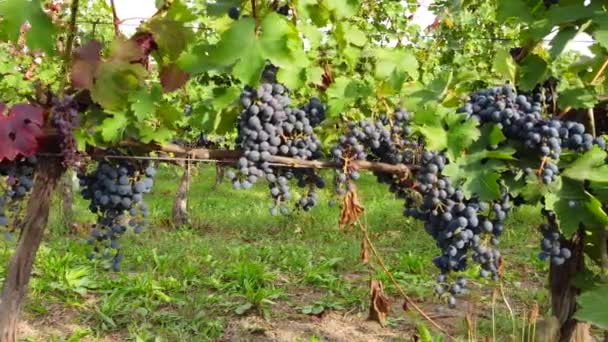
(237, 260)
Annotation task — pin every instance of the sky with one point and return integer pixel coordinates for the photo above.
(142, 9)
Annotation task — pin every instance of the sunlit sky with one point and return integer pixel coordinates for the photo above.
(133, 11)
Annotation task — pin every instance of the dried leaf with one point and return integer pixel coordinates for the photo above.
(380, 304)
(351, 209)
(364, 251)
(405, 306)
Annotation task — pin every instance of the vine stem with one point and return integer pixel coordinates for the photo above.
(597, 76)
(234, 155)
(115, 20)
(396, 284)
(255, 16)
(69, 43)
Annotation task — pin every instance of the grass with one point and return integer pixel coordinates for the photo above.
(236, 261)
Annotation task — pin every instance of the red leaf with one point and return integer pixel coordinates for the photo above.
(19, 130)
(173, 78)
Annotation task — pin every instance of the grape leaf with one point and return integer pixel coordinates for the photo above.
(169, 115)
(436, 137)
(113, 126)
(484, 185)
(114, 82)
(593, 304)
(533, 70)
(85, 62)
(19, 130)
(461, 134)
(590, 166)
(221, 7)
(171, 39)
(395, 61)
(514, 8)
(478, 173)
(172, 77)
(342, 8)
(578, 98)
(143, 104)
(573, 206)
(148, 134)
(505, 65)
(41, 34)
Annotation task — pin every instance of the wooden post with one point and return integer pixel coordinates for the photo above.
(180, 205)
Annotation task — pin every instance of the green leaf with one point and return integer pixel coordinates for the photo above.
(148, 134)
(591, 166)
(574, 206)
(113, 126)
(578, 98)
(505, 65)
(240, 36)
(559, 42)
(143, 104)
(479, 172)
(390, 61)
(461, 134)
(342, 8)
(593, 306)
(225, 97)
(168, 115)
(221, 7)
(293, 78)
(114, 82)
(42, 33)
(281, 43)
(436, 137)
(533, 70)
(171, 39)
(514, 9)
(484, 185)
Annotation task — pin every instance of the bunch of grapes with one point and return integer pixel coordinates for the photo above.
(521, 120)
(65, 116)
(550, 244)
(457, 224)
(387, 139)
(19, 182)
(269, 127)
(115, 191)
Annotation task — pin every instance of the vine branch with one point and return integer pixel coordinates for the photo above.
(234, 155)
(70, 42)
(115, 20)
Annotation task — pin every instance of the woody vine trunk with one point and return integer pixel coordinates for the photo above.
(19, 268)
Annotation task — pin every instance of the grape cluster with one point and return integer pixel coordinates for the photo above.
(385, 139)
(66, 118)
(269, 127)
(521, 120)
(550, 244)
(115, 191)
(457, 224)
(19, 182)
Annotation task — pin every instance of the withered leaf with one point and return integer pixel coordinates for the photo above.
(380, 304)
